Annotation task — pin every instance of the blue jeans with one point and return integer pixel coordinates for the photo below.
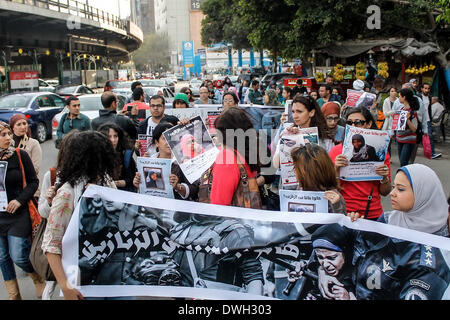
(14, 250)
(404, 152)
(430, 134)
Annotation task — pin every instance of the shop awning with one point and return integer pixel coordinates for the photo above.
(408, 47)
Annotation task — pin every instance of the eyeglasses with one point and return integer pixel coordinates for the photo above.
(334, 119)
(357, 123)
(154, 106)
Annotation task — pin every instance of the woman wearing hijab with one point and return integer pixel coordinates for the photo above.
(234, 91)
(271, 98)
(22, 139)
(15, 221)
(189, 147)
(362, 152)
(331, 111)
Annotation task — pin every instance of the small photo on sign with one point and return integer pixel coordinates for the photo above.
(153, 178)
(301, 207)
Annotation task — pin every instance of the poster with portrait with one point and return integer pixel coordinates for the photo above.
(303, 201)
(365, 150)
(288, 111)
(366, 100)
(126, 244)
(155, 173)
(3, 195)
(352, 97)
(287, 143)
(192, 147)
(210, 119)
(399, 120)
(146, 143)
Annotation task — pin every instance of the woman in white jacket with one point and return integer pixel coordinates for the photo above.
(389, 112)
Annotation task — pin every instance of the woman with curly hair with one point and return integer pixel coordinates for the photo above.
(125, 168)
(89, 158)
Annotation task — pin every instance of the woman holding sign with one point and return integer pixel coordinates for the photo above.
(125, 169)
(362, 196)
(183, 189)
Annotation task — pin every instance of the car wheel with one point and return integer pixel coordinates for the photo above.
(41, 132)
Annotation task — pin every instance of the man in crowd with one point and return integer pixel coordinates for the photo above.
(134, 85)
(73, 119)
(254, 95)
(426, 99)
(329, 80)
(204, 97)
(437, 109)
(109, 114)
(325, 93)
(214, 93)
(299, 88)
(136, 110)
(157, 108)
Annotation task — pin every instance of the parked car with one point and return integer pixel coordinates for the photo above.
(89, 106)
(194, 85)
(44, 86)
(179, 76)
(68, 91)
(153, 83)
(111, 84)
(167, 93)
(38, 107)
(169, 83)
(277, 77)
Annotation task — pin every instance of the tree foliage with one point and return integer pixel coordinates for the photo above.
(152, 55)
(292, 28)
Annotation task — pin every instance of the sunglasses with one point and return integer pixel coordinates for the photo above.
(357, 123)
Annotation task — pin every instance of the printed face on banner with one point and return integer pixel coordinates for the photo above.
(192, 147)
(133, 245)
(365, 150)
(399, 120)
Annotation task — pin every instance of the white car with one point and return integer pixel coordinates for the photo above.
(45, 87)
(194, 85)
(90, 105)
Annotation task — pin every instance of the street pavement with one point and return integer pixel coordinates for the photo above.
(441, 166)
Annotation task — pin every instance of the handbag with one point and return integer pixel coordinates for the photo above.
(37, 257)
(33, 211)
(426, 147)
(247, 194)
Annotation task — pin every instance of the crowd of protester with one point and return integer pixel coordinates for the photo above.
(102, 152)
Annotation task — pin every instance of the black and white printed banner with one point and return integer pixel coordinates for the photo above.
(126, 244)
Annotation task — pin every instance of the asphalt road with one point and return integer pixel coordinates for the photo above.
(441, 166)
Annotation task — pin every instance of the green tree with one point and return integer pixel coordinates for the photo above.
(153, 54)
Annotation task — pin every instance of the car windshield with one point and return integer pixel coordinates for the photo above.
(156, 82)
(14, 101)
(149, 91)
(90, 103)
(124, 84)
(67, 90)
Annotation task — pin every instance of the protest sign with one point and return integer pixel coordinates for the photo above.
(155, 173)
(365, 149)
(366, 100)
(399, 120)
(192, 147)
(3, 195)
(122, 244)
(146, 143)
(352, 97)
(288, 142)
(303, 201)
(210, 119)
(288, 111)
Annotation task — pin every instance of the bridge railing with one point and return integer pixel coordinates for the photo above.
(78, 9)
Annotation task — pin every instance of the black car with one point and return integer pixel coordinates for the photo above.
(277, 77)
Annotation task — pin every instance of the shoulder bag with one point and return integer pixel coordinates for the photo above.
(247, 194)
(37, 257)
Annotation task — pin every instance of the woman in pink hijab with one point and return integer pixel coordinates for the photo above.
(189, 147)
(233, 90)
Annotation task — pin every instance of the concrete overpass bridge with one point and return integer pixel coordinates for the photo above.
(55, 35)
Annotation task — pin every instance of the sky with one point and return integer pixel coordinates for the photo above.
(111, 6)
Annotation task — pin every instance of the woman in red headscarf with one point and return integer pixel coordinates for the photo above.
(332, 111)
(23, 140)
